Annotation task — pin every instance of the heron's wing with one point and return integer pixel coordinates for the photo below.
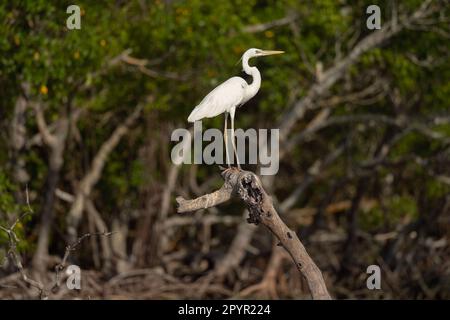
(225, 96)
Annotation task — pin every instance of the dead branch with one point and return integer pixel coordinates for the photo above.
(247, 186)
(245, 231)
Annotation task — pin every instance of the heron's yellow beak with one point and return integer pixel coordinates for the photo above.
(270, 52)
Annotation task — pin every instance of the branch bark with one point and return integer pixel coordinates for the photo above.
(247, 186)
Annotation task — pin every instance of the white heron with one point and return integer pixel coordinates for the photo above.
(231, 94)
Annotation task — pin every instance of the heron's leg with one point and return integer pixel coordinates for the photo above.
(225, 138)
(232, 136)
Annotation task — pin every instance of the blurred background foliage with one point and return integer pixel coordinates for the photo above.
(191, 46)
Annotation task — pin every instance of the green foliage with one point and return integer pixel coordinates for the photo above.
(9, 212)
(395, 210)
(7, 201)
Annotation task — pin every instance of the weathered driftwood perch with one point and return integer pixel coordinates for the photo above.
(247, 186)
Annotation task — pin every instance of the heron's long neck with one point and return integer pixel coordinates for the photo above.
(253, 88)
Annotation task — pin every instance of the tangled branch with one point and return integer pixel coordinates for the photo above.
(13, 240)
(69, 248)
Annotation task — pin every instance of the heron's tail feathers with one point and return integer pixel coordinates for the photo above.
(197, 114)
(206, 109)
(193, 117)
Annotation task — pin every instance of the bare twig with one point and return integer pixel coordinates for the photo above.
(141, 65)
(271, 24)
(15, 257)
(13, 240)
(69, 248)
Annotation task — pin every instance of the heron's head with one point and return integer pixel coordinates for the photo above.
(254, 52)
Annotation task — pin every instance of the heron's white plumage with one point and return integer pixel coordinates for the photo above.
(234, 92)
(225, 96)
